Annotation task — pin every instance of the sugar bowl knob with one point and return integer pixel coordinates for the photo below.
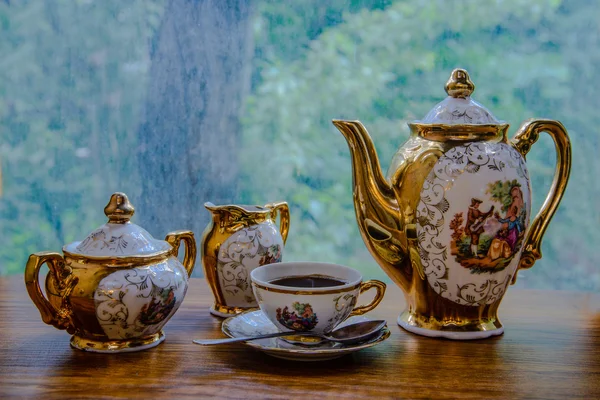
(119, 210)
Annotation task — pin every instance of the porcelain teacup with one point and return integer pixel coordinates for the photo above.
(314, 309)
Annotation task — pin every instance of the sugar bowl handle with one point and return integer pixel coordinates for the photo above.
(60, 280)
(284, 217)
(527, 135)
(373, 283)
(189, 258)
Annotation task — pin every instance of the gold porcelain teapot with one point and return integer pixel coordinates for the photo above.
(117, 288)
(450, 221)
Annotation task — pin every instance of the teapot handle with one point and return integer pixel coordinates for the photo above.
(284, 217)
(189, 258)
(62, 274)
(527, 135)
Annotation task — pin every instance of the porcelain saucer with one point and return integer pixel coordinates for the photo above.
(254, 322)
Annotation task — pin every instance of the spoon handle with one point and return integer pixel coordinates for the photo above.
(208, 342)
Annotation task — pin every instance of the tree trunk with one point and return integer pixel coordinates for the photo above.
(199, 76)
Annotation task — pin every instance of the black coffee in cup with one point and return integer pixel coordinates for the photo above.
(308, 281)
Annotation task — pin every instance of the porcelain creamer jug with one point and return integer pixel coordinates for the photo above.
(237, 240)
(450, 223)
(116, 289)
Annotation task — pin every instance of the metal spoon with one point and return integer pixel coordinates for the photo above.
(348, 334)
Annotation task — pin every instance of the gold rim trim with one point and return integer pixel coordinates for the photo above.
(232, 310)
(459, 132)
(450, 325)
(116, 346)
(120, 261)
(301, 292)
(238, 209)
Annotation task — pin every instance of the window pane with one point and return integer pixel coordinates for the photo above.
(181, 102)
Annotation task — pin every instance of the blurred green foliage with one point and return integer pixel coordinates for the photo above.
(73, 76)
(387, 66)
(72, 80)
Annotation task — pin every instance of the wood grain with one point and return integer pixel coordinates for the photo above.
(551, 350)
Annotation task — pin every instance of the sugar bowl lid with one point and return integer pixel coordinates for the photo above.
(118, 237)
(459, 108)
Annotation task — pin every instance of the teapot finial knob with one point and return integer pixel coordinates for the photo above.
(459, 85)
(119, 210)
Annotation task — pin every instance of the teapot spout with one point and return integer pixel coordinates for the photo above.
(377, 212)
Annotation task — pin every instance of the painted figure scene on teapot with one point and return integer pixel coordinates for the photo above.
(471, 220)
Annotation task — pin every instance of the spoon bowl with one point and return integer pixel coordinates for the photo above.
(349, 334)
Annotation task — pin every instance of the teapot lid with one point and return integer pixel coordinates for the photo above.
(118, 237)
(459, 108)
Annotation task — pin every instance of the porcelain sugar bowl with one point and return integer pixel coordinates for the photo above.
(116, 289)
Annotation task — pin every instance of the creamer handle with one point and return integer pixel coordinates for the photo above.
(527, 135)
(61, 318)
(284, 217)
(189, 258)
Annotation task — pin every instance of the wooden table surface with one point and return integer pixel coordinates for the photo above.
(550, 349)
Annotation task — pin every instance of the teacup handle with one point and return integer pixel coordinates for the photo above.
(189, 258)
(373, 283)
(527, 135)
(284, 217)
(65, 282)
